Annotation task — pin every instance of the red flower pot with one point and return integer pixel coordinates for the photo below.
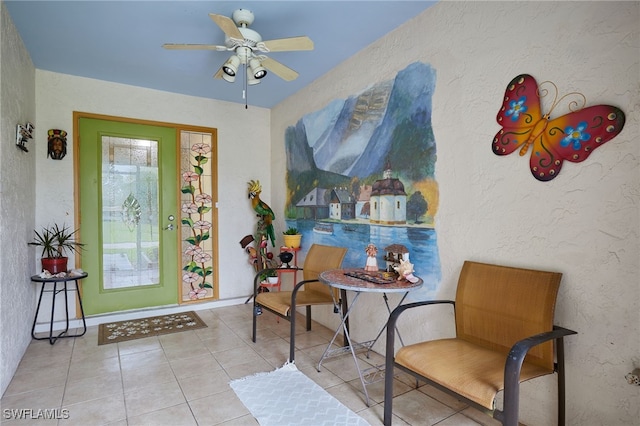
(55, 265)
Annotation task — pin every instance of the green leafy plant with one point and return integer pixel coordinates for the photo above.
(267, 273)
(56, 241)
(291, 231)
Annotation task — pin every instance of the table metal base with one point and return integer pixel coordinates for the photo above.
(63, 334)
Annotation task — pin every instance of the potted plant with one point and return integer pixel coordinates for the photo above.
(269, 276)
(56, 241)
(292, 238)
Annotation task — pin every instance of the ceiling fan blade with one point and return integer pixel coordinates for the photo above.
(282, 71)
(289, 44)
(177, 46)
(227, 25)
(218, 74)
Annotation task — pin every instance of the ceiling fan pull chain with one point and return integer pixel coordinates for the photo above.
(244, 90)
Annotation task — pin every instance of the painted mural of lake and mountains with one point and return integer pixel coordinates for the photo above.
(361, 170)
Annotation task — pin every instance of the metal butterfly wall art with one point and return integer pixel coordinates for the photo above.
(571, 137)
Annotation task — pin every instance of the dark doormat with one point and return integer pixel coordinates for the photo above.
(121, 331)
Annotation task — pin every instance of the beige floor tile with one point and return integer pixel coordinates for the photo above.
(42, 348)
(92, 388)
(94, 368)
(247, 420)
(194, 366)
(147, 399)
(479, 417)
(184, 339)
(154, 374)
(458, 419)
(34, 379)
(56, 361)
(416, 408)
(183, 378)
(243, 370)
(239, 355)
(138, 345)
(374, 416)
(224, 343)
(324, 378)
(143, 359)
(219, 408)
(39, 399)
(178, 352)
(349, 396)
(443, 397)
(178, 415)
(204, 384)
(83, 352)
(96, 412)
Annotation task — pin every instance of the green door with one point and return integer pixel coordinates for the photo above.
(128, 190)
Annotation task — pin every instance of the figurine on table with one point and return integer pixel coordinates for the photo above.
(372, 261)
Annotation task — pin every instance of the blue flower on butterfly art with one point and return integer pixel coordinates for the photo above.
(576, 136)
(516, 108)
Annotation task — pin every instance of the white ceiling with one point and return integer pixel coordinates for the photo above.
(121, 41)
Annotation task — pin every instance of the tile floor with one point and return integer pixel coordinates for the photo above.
(183, 378)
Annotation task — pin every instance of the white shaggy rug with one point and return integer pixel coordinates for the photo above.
(288, 397)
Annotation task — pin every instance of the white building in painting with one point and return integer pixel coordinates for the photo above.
(388, 200)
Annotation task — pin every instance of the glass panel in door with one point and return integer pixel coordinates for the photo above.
(130, 208)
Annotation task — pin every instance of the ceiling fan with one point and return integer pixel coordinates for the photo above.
(248, 48)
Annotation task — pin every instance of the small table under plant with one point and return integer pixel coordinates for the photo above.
(55, 281)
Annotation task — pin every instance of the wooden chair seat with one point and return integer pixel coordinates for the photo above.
(465, 368)
(280, 301)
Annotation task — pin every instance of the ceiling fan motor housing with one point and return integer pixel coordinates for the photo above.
(243, 17)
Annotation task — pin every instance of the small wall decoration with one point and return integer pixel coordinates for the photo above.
(56, 144)
(23, 134)
(571, 137)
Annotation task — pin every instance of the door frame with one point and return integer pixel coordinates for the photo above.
(77, 115)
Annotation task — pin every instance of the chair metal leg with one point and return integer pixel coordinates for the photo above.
(388, 368)
(255, 307)
(308, 318)
(561, 381)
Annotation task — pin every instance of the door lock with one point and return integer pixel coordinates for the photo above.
(169, 227)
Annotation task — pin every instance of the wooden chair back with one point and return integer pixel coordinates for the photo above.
(321, 258)
(498, 305)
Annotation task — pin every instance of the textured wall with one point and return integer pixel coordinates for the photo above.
(243, 140)
(585, 223)
(17, 200)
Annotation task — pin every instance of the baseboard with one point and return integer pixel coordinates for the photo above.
(91, 320)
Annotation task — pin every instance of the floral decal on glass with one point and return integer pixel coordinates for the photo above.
(196, 217)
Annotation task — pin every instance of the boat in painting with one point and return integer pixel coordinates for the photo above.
(323, 228)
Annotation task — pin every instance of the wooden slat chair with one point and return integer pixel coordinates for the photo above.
(504, 336)
(308, 292)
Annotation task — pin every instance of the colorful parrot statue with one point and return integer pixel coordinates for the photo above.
(263, 209)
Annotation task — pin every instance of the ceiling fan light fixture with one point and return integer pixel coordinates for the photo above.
(230, 67)
(256, 69)
(251, 79)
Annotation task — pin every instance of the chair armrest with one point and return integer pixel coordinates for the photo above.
(520, 349)
(391, 326)
(513, 366)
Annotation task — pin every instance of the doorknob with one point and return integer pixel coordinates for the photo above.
(169, 227)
